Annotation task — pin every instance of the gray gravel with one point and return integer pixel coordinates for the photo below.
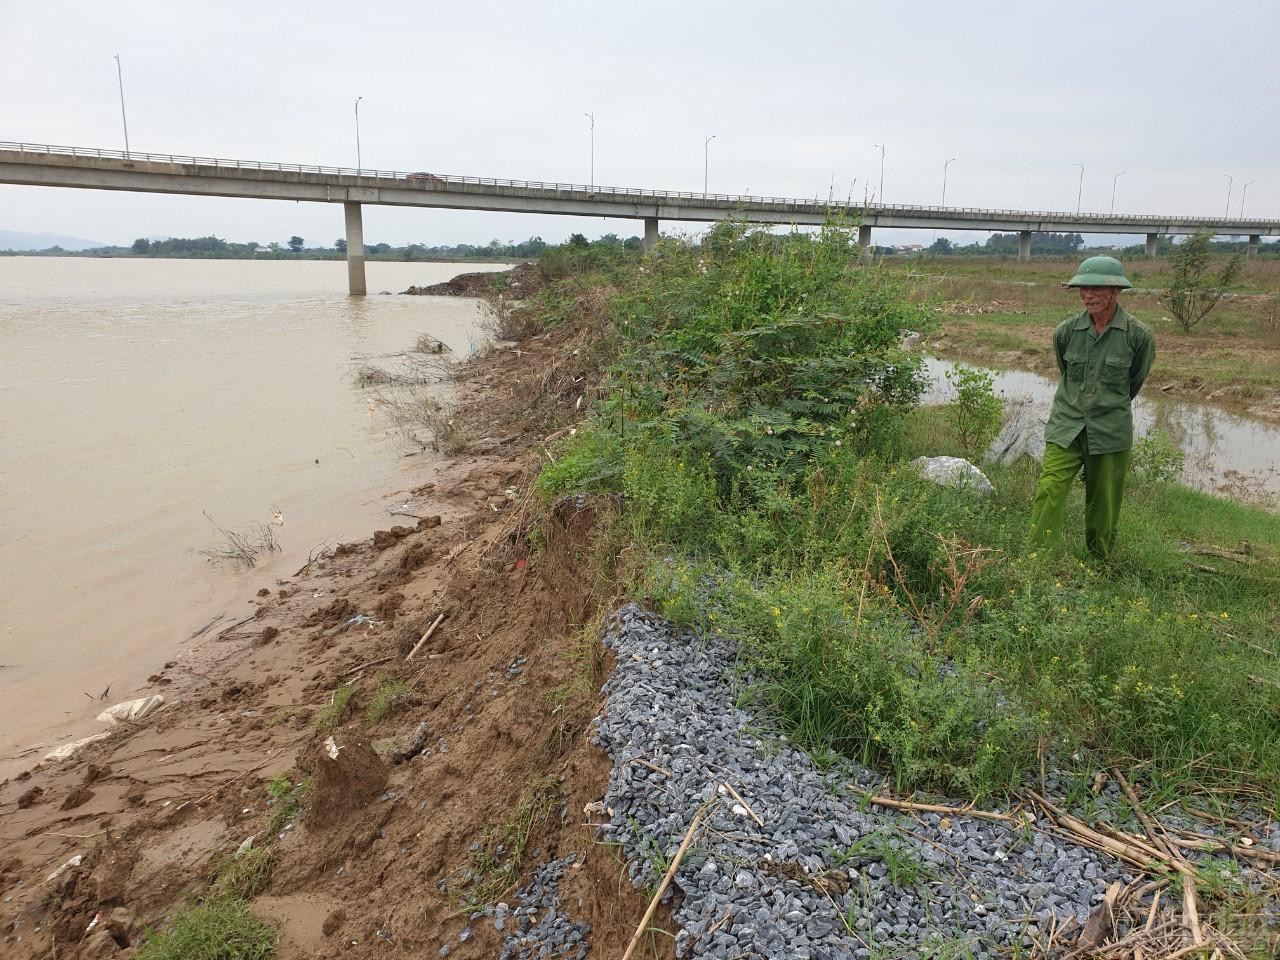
(825, 876)
(537, 926)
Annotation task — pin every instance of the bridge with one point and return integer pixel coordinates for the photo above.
(95, 169)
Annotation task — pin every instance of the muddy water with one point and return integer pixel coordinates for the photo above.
(136, 395)
(1225, 452)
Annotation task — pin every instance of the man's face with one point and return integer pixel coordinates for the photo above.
(1098, 300)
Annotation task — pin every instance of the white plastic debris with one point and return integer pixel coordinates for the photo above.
(132, 710)
(70, 864)
(331, 748)
(70, 749)
(245, 846)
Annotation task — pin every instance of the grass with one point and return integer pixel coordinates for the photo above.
(219, 928)
(332, 714)
(286, 796)
(758, 424)
(390, 697)
(495, 865)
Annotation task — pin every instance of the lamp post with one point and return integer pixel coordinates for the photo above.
(1113, 190)
(880, 147)
(592, 118)
(944, 180)
(1244, 193)
(123, 119)
(1231, 182)
(706, 160)
(1079, 189)
(359, 162)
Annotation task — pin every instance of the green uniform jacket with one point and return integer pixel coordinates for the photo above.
(1101, 374)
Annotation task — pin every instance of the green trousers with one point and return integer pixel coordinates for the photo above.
(1104, 476)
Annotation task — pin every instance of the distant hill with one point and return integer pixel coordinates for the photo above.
(19, 240)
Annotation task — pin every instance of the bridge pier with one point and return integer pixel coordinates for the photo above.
(864, 238)
(1024, 246)
(650, 233)
(355, 250)
(1151, 246)
(1251, 250)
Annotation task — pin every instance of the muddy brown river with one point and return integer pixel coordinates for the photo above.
(137, 395)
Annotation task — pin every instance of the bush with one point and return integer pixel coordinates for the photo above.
(1157, 459)
(976, 413)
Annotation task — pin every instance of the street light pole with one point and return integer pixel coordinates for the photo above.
(706, 160)
(359, 161)
(1113, 191)
(1080, 189)
(944, 180)
(123, 119)
(592, 118)
(880, 147)
(1244, 193)
(1231, 182)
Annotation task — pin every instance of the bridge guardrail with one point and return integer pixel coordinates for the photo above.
(622, 192)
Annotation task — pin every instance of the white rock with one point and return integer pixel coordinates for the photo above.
(953, 471)
(70, 749)
(132, 710)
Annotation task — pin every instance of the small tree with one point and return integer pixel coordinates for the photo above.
(340, 245)
(976, 413)
(295, 244)
(1193, 291)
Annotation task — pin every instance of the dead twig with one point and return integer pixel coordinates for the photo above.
(426, 636)
(666, 881)
(936, 808)
(745, 806)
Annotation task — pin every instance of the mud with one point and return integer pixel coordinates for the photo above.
(374, 864)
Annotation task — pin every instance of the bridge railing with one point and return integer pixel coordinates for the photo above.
(426, 180)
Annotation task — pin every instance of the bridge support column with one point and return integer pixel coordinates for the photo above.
(650, 232)
(1251, 250)
(355, 250)
(1151, 246)
(864, 238)
(1024, 245)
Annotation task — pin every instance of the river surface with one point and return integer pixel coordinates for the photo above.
(136, 395)
(1225, 452)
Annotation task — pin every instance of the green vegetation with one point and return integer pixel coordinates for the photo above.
(757, 416)
(495, 867)
(219, 928)
(242, 875)
(976, 413)
(390, 696)
(1193, 292)
(286, 796)
(335, 711)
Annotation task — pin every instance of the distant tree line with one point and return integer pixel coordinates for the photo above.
(215, 248)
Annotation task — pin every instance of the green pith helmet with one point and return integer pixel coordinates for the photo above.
(1100, 272)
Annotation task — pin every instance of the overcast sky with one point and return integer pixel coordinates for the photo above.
(1175, 93)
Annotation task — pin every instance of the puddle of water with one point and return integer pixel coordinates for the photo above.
(1222, 449)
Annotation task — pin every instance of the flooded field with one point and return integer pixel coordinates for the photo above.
(138, 395)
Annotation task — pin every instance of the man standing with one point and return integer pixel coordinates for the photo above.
(1103, 355)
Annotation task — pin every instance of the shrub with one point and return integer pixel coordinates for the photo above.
(1157, 459)
(976, 413)
(1193, 291)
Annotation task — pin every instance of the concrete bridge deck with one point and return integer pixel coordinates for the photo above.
(92, 168)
